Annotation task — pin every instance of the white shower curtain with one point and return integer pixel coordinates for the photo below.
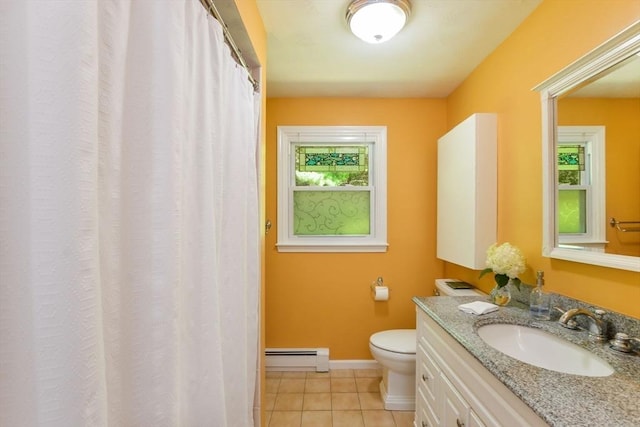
(129, 269)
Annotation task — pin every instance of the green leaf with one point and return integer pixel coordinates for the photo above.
(516, 282)
(485, 271)
(501, 280)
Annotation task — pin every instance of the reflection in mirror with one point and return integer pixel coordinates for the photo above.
(591, 156)
(609, 102)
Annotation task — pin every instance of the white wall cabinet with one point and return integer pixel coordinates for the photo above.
(454, 390)
(467, 191)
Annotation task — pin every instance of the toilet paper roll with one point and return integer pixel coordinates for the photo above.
(380, 293)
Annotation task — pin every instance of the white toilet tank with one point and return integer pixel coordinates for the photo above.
(443, 288)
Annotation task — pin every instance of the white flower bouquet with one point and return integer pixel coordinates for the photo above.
(506, 262)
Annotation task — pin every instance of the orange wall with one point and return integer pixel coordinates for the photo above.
(621, 118)
(323, 300)
(557, 33)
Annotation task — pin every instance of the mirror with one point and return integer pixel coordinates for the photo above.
(582, 125)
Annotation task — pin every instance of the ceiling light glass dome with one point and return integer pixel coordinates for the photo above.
(376, 21)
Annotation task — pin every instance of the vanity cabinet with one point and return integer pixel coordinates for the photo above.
(457, 411)
(454, 390)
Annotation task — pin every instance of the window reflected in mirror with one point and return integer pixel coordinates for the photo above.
(599, 90)
(611, 101)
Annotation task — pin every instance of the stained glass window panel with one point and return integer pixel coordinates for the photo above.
(332, 166)
(571, 157)
(331, 213)
(572, 211)
(332, 158)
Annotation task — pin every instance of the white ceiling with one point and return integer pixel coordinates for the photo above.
(311, 51)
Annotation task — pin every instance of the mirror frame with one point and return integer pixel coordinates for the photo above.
(611, 52)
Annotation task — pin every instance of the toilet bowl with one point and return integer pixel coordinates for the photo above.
(395, 351)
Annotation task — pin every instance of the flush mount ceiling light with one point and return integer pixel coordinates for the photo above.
(376, 21)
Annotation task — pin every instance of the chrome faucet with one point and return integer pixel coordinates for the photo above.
(567, 321)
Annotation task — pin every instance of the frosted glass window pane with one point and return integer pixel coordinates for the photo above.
(572, 211)
(331, 213)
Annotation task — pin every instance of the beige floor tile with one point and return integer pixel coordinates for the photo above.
(273, 374)
(364, 373)
(317, 402)
(347, 419)
(316, 419)
(341, 373)
(378, 418)
(286, 419)
(344, 401)
(271, 385)
(269, 401)
(371, 384)
(294, 374)
(288, 402)
(317, 385)
(318, 375)
(343, 385)
(371, 401)
(403, 418)
(291, 385)
(345, 397)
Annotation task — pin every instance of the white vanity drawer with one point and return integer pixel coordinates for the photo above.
(425, 416)
(428, 374)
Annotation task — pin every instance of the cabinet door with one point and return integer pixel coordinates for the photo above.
(467, 191)
(423, 413)
(428, 378)
(474, 420)
(456, 409)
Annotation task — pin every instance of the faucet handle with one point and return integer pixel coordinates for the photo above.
(622, 342)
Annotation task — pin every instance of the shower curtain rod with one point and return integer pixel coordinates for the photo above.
(235, 51)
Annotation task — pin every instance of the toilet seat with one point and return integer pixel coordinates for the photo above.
(401, 341)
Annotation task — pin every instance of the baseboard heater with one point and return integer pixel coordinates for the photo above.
(297, 359)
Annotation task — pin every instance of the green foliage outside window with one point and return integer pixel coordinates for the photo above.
(569, 177)
(332, 179)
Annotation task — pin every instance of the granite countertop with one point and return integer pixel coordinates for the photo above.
(559, 399)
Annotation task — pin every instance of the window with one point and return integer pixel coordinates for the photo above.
(581, 187)
(332, 184)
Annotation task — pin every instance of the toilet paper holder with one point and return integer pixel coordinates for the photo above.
(379, 291)
(378, 282)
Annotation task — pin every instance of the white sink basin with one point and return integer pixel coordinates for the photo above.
(544, 350)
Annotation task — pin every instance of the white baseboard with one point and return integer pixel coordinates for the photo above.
(353, 364)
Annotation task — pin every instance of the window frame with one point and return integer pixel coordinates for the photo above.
(593, 139)
(376, 138)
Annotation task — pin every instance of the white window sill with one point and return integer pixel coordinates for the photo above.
(345, 247)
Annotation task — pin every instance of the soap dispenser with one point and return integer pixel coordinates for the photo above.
(539, 301)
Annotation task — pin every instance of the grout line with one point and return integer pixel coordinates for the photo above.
(341, 375)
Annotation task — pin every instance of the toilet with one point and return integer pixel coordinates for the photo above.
(395, 351)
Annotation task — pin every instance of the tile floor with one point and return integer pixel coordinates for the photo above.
(340, 398)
